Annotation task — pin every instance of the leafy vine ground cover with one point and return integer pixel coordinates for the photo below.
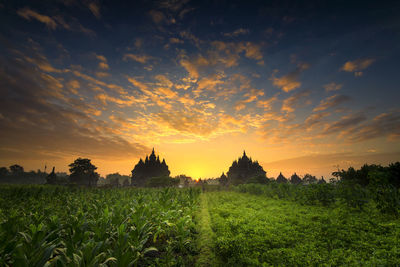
(253, 230)
(60, 226)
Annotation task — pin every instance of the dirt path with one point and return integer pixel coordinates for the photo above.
(205, 241)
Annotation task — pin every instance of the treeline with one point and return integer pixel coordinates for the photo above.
(15, 174)
(370, 185)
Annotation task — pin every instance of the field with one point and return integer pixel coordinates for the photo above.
(90, 227)
(254, 230)
(63, 226)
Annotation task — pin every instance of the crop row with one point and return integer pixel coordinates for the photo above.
(60, 226)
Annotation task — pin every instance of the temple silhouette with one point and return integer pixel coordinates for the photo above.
(149, 168)
(243, 169)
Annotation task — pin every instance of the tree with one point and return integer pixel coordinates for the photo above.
(16, 169)
(184, 180)
(126, 183)
(83, 172)
(3, 171)
(52, 177)
(151, 167)
(309, 179)
(117, 180)
(322, 181)
(258, 180)
(295, 179)
(243, 169)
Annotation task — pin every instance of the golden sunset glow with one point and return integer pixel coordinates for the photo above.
(110, 84)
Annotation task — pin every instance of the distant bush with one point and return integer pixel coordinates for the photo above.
(260, 179)
(161, 181)
(314, 194)
(352, 194)
(385, 194)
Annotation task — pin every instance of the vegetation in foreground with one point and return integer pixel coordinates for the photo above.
(70, 226)
(253, 230)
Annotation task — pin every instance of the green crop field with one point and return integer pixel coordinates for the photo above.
(72, 226)
(57, 226)
(254, 230)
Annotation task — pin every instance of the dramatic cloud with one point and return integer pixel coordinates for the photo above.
(344, 123)
(357, 65)
(191, 76)
(331, 102)
(383, 125)
(37, 105)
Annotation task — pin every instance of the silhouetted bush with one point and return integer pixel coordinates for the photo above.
(352, 194)
(162, 181)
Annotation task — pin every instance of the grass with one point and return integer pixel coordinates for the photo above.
(254, 230)
(61, 226)
(206, 235)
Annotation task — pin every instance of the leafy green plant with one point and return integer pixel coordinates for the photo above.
(72, 226)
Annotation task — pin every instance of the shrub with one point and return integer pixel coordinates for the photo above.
(162, 181)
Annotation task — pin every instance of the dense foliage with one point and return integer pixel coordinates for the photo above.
(15, 174)
(83, 172)
(251, 230)
(69, 226)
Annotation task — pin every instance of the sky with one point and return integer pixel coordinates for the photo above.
(302, 86)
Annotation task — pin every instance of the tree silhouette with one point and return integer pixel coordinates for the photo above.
(309, 179)
(52, 177)
(3, 171)
(243, 169)
(322, 181)
(117, 180)
(149, 168)
(16, 169)
(83, 172)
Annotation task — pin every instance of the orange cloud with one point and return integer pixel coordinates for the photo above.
(331, 101)
(28, 14)
(357, 65)
(190, 68)
(53, 22)
(332, 86)
(139, 58)
(95, 8)
(237, 32)
(250, 97)
(291, 103)
(289, 82)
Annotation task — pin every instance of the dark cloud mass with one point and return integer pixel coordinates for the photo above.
(38, 120)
